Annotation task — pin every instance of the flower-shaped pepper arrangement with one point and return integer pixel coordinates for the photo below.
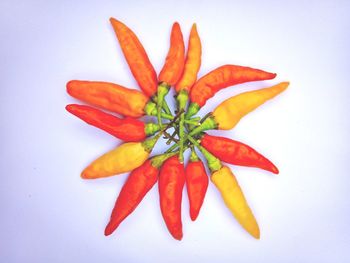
(168, 169)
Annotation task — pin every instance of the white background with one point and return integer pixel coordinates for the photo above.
(49, 214)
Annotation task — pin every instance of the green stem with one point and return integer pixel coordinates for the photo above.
(194, 157)
(151, 110)
(149, 143)
(172, 136)
(182, 99)
(163, 90)
(158, 160)
(192, 110)
(173, 147)
(213, 162)
(208, 124)
(165, 105)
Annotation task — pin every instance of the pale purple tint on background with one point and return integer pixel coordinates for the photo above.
(49, 214)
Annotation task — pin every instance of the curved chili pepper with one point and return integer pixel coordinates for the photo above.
(171, 183)
(228, 113)
(127, 129)
(189, 76)
(109, 96)
(226, 183)
(196, 183)
(175, 59)
(137, 58)
(124, 158)
(220, 78)
(173, 66)
(234, 199)
(237, 153)
(139, 182)
(193, 62)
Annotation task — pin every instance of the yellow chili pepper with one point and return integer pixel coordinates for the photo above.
(234, 199)
(229, 112)
(124, 158)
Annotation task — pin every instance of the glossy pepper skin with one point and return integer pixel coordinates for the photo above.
(229, 112)
(127, 129)
(124, 158)
(109, 96)
(196, 184)
(226, 183)
(175, 59)
(171, 183)
(192, 63)
(139, 182)
(237, 153)
(220, 78)
(137, 58)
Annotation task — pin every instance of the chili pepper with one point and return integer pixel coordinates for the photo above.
(234, 199)
(235, 152)
(124, 158)
(226, 183)
(136, 57)
(139, 182)
(173, 66)
(220, 78)
(196, 183)
(193, 62)
(174, 62)
(171, 183)
(189, 76)
(109, 96)
(127, 129)
(228, 113)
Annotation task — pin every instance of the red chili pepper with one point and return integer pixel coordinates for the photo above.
(139, 182)
(171, 183)
(175, 60)
(196, 183)
(237, 153)
(127, 129)
(137, 58)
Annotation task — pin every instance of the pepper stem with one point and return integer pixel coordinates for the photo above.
(151, 110)
(182, 99)
(214, 163)
(149, 143)
(192, 110)
(163, 90)
(194, 157)
(208, 124)
(164, 106)
(158, 160)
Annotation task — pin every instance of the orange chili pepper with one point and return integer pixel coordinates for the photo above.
(220, 78)
(174, 62)
(109, 96)
(137, 58)
(193, 62)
